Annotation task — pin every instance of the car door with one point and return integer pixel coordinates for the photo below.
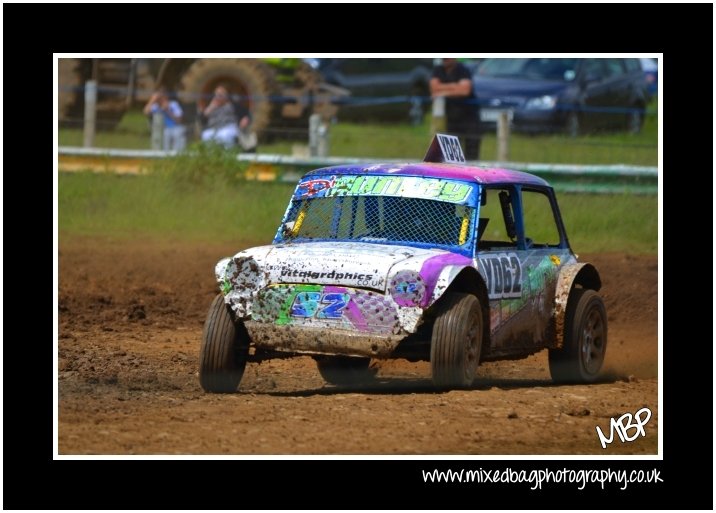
(595, 93)
(618, 93)
(499, 261)
(376, 84)
(520, 266)
(546, 252)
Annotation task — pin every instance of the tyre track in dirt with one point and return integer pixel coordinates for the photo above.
(131, 315)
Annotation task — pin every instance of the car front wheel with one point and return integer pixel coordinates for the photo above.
(635, 120)
(224, 350)
(572, 126)
(585, 340)
(456, 341)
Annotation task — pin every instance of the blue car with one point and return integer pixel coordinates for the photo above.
(651, 74)
(564, 94)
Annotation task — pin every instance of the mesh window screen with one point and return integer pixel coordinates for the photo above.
(380, 219)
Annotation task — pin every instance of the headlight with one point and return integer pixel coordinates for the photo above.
(220, 272)
(241, 274)
(545, 102)
(407, 288)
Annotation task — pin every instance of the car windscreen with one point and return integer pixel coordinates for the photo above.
(380, 219)
(534, 69)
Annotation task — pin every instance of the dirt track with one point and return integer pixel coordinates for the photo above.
(131, 317)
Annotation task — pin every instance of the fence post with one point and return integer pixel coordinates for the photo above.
(503, 136)
(323, 139)
(90, 112)
(438, 123)
(157, 130)
(314, 121)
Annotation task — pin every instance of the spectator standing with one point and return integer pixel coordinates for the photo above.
(174, 133)
(453, 81)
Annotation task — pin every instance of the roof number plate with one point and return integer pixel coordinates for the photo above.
(445, 148)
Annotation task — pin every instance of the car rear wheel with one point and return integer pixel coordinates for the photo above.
(572, 126)
(456, 341)
(585, 340)
(224, 350)
(635, 120)
(345, 370)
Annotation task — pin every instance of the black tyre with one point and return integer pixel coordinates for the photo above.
(224, 350)
(70, 96)
(573, 125)
(585, 340)
(248, 78)
(456, 341)
(345, 370)
(635, 120)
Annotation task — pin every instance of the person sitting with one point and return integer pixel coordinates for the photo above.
(223, 123)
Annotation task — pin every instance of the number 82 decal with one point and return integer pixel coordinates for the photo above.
(318, 305)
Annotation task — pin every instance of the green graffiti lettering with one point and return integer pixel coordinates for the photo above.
(414, 187)
(368, 184)
(394, 184)
(380, 185)
(357, 184)
(341, 186)
(429, 189)
(454, 192)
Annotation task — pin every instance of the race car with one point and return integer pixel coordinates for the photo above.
(435, 261)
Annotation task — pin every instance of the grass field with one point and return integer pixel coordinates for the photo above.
(162, 206)
(406, 141)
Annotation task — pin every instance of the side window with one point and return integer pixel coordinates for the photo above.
(539, 219)
(496, 226)
(592, 69)
(632, 64)
(358, 66)
(397, 65)
(614, 67)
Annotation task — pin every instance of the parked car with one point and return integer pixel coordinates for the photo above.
(382, 89)
(563, 94)
(435, 261)
(651, 74)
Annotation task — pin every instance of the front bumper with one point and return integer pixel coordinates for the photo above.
(532, 121)
(326, 319)
(317, 340)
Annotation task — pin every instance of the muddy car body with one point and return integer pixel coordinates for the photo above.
(433, 261)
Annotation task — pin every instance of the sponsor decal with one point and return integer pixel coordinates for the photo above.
(295, 273)
(319, 305)
(503, 272)
(329, 306)
(313, 187)
(406, 186)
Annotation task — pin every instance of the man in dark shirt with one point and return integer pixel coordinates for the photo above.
(453, 81)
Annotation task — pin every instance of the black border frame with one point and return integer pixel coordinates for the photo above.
(33, 480)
